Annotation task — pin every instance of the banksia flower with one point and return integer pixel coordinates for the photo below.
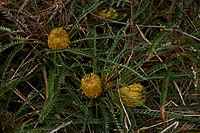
(108, 13)
(58, 38)
(133, 94)
(91, 85)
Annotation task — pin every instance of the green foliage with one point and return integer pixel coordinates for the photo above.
(50, 94)
(164, 90)
(156, 41)
(177, 116)
(40, 88)
(7, 82)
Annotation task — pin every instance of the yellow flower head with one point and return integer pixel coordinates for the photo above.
(58, 38)
(91, 85)
(108, 13)
(133, 94)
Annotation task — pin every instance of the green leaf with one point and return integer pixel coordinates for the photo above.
(50, 94)
(165, 88)
(156, 41)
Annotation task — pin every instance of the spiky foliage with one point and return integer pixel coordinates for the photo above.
(153, 43)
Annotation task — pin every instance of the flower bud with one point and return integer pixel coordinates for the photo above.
(58, 38)
(108, 13)
(91, 85)
(133, 94)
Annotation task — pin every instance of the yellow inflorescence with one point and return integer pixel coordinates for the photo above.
(91, 85)
(108, 13)
(133, 94)
(58, 38)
